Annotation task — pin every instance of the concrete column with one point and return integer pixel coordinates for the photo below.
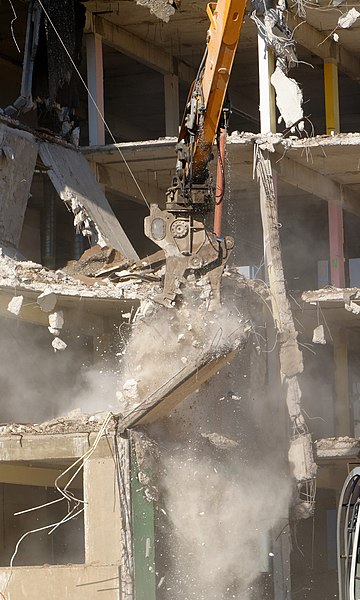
(335, 214)
(282, 548)
(341, 375)
(48, 226)
(266, 90)
(143, 536)
(336, 245)
(171, 90)
(102, 518)
(95, 82)
(281, 542)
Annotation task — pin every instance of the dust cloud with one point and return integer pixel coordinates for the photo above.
(37, 384)
(221, 513)
(224, 486)
(164, 341)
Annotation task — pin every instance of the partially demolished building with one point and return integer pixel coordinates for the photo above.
(152, 453)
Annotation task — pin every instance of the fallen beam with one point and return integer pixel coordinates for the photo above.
(177, 389)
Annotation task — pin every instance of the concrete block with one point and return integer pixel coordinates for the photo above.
(56, 319)
(47, 300)
(58, 344)
(15, 305)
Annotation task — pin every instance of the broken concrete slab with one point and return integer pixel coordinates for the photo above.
(337, 447)
(185, 382)
(18, 154)
(100, 301)
(76, 185)
(289, 99)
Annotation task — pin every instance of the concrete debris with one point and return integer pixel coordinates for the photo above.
(32, 277)
(208, 341)
(353, 307)
(289, 99)
(339, 447)
(56, 320)
(15, 305)
(162, 9)
(54, 331)
(76, 185)
(291, 359)
(73, 422)
(128, 397)
(18, 153)
(97, 261)
(47, 300)
(319, 335)
(348, 19)
(58, 344)
(220, 441)
(301, 458)
(147, 458)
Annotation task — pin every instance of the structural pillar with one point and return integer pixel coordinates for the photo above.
(95, 82)
(143, 523)
(337, 258)
(331, 91)
(266, 91)
(102, 511)
(341, 376)
(336, 245)
(335, 213)
(281, 561)
(171, 90)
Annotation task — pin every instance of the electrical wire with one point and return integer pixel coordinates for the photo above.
(12, 26)
(65, 495)
(125, 508)
(95, 104)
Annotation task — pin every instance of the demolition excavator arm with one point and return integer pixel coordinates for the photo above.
(182, 229)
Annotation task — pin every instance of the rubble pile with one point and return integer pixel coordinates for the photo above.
(169, 351)
(27, 275)
(73, 422)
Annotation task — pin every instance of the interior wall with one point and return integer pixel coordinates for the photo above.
(318, 388)
(131, 216)
(313, 558)
(65, 545)
(304, 238)
(36, 383)
(134, 98)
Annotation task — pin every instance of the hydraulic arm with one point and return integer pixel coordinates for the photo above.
(181, 228)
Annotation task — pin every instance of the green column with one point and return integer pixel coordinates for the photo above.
(143, 536)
